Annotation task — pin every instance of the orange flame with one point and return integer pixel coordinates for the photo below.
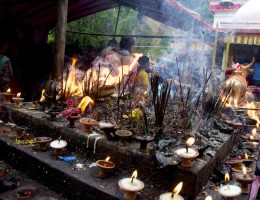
(227, 179)
(42, 96)
(18, 95)
(84, 103)
(244, 170)
(246, 156)
(134, 175)
(190, 141)
(107, 159)
(177, 189)
(8, 90)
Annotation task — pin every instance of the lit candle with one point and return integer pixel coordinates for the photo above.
(189, 142)
(130, 186)
(174, 195)
(229, 191)
(227, 179)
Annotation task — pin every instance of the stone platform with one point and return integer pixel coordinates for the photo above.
(75, 184)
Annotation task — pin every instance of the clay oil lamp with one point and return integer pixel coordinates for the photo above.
(25, 193)
(17, 100)
(131, 186)
(187, 154)
(18, 130)
(105, 167)
(174, 195)
(123, 135)
(239, 169)
(43, 141)
(72, 119)
(88, 123)
(245, 179)
(247, 161)
(58, 146)
(7, 96)
(228, 191)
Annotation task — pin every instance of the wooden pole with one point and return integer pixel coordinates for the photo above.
(60, 38)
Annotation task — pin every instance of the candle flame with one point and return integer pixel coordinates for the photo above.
(42, 97)
(107, 159)
(208, 198)
(251, 138)
(177, 189)
(246, 156)
(227, 179)
(254, 132)
(190, 141)
(9, 90)
(134, 175)
(244, 170)
(18, 94)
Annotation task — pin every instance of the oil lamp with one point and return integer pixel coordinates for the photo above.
(17, 100)
(245, 179)
(88, 123)
(43, 141)
(105, 166)
(247, 161)
(7, 96)
(229, 192)
(58, 146)
(187, 154)
(131, 186)
(123, 135)
(174, 195)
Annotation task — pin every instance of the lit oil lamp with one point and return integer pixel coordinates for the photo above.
(247, 161)
(245, 179)
(229, 192)
(105, 166)
(174, 195)
(131, 186)
(58, 146)
(187, 154)
(17, 100)
(7, 96)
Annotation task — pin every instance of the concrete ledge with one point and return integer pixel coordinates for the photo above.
(84, 184)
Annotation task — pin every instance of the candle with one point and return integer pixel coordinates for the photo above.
(174, 195)
(229, 191)
(130, 186)
(189, 142)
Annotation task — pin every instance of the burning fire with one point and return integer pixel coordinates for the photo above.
(246, 156)
(177, 189)
(251, 138)
(18, 95)
(42, 96)
(252, 113)
(9, 90)
(134, 175)
(107, 159)
(227, 179)
(190, 141)
(84, 103)
(244, 170)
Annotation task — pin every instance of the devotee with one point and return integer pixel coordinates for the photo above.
(142, 77)
(123, 56)
(111, 45)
